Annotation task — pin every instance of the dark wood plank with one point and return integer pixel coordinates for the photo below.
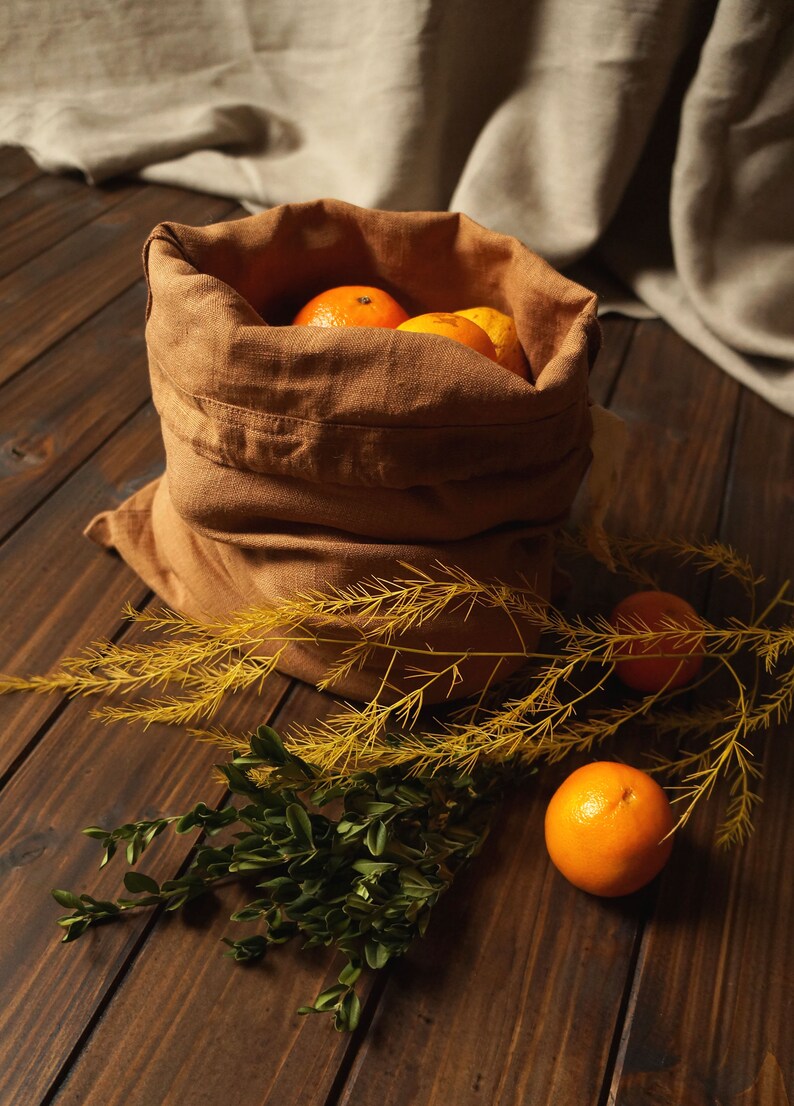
(711, 1004)
(515, 996)
(174, 965)
(680, 411)
(665, 392)
(415, 1008)
(48, 297)
(62, 591)
(523, 987)
(84, 773)
(16, 168)
(63, 406)
(617, 335)
(243, 1022)
(37, 215)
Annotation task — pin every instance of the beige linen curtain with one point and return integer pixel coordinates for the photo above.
(652, 142)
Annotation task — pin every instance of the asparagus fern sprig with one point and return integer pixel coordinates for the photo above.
(552, 710)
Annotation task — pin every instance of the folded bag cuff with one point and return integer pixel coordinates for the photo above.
(360, 405)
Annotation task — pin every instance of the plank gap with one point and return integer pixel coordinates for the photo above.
(47, 298)
(42, 212)
(65, 337)
(153, 918)
(5, 778)
(14, 527)
(369, 1008)
(618, 338)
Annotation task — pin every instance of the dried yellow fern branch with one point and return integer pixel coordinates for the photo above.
(540, 715)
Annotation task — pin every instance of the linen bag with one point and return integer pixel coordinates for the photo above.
(306, 458)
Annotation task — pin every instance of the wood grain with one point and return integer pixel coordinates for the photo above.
(43, 300)
(42, 212)
(215, 1017)
(673, 478)
(62, 591)
(85, 773)
(680, 409)
(617, 335)
(56, 412)
(524, 990)
(16, 169)
(500, 1004)
(711, 1007)
(516, 995)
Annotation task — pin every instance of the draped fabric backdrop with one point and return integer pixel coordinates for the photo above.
(648, 147)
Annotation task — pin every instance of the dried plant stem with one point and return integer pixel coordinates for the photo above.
(542, 717)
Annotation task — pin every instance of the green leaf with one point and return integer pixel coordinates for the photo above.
(300, 824)
(134, 850)
(207, 856)
(96, 832)
(410, 796)
(350, 973)
(67, 899)
(377, 838)
(138, 883)
(249, 948)
(182, 890)
(371, 808)
(75, 920)
(326, 793)
(348, 828)
(359, 909)
(282, 889)
(412, 878)
(77, 930)
(267, 744)
(280, 931)
(375, 954)
(154, 830)
(238, 781)
(372, 868)
(145, 900)
(98, 906)
(250, 913)
(110, 852)
(349, 1013)
(328, 999)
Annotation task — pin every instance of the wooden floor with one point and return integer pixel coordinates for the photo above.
(525, 992)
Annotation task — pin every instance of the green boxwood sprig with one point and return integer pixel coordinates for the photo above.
(356, 864)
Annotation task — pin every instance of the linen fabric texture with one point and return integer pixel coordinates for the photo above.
(302, 458)
(653, 141)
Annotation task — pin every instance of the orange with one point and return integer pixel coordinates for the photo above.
(607, 828)
(351, 305)
(450, 325)
(654, 610)
(501, 329)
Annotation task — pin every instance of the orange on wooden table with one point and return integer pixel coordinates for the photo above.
(351, 305)
(607, 828)
(636, 666)
(449, 325)
(501, 329)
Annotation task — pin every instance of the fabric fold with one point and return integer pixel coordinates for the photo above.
(302, 458)
(539, 121)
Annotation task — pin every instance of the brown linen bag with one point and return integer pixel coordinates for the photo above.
(306, 458)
